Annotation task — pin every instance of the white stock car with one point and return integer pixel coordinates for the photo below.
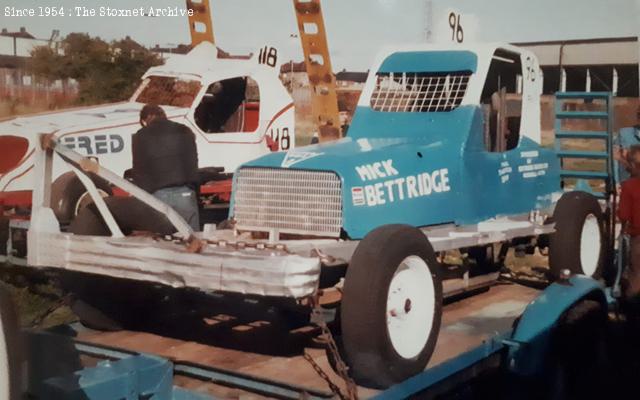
(237, 108)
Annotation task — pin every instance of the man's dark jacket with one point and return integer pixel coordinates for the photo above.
(164, 155)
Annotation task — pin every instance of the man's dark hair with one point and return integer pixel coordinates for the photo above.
(152, 110)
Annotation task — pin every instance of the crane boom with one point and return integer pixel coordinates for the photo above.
(200, 24)
(318, 62)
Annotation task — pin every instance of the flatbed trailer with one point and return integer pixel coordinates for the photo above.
(492, 331)
(223, 261)
(319, 243)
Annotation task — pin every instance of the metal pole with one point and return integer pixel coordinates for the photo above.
(560, 56)
(428, 23)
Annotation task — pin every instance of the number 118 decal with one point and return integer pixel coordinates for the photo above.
(268, 55)
(284, 140)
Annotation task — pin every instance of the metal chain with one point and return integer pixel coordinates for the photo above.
(334, 388)
(341, 367)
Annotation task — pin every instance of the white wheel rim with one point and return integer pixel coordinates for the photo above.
(4, 364)
(590, 242)
(410, 307)
(85, 199)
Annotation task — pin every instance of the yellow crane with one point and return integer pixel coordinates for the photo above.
(315, 47)
(200, 24)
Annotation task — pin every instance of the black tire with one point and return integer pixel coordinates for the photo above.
(67, 191)
(12, 353)
(574, 211)
(580, 366)
(130, 213)
(368, 344)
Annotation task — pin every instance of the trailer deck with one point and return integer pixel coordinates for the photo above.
(263, 350)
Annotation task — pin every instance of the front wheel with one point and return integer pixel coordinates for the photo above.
(578, 242)
(391, 306)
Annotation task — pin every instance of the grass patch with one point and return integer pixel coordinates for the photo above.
(39, 305)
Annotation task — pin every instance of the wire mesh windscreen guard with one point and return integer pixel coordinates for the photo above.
(289, 201)
(419, 92)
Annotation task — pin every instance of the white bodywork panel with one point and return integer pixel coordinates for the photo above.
(235, 264)
(111, 126)
(221, 268)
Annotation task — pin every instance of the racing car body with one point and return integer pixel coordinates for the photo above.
(439, 136)
(238, 109)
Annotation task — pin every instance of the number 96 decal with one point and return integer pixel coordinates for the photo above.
(282, 137)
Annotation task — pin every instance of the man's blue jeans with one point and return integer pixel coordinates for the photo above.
(182, 199)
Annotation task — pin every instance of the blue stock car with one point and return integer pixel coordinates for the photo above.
(444, 153)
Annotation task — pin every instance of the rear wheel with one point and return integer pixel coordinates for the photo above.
(69, 196)
(130, 213)
(391, 306)
(578, 242)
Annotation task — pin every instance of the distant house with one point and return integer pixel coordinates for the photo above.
(23, 34)
(15, 47)
(17, 82)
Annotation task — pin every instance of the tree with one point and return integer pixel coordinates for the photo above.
(105, 72)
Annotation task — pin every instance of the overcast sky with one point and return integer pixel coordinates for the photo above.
(356, 28)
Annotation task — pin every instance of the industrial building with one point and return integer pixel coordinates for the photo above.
(609, 64)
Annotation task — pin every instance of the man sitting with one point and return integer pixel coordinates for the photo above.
(165, 162)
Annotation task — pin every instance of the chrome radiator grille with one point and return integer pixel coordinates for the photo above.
(287, 200)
